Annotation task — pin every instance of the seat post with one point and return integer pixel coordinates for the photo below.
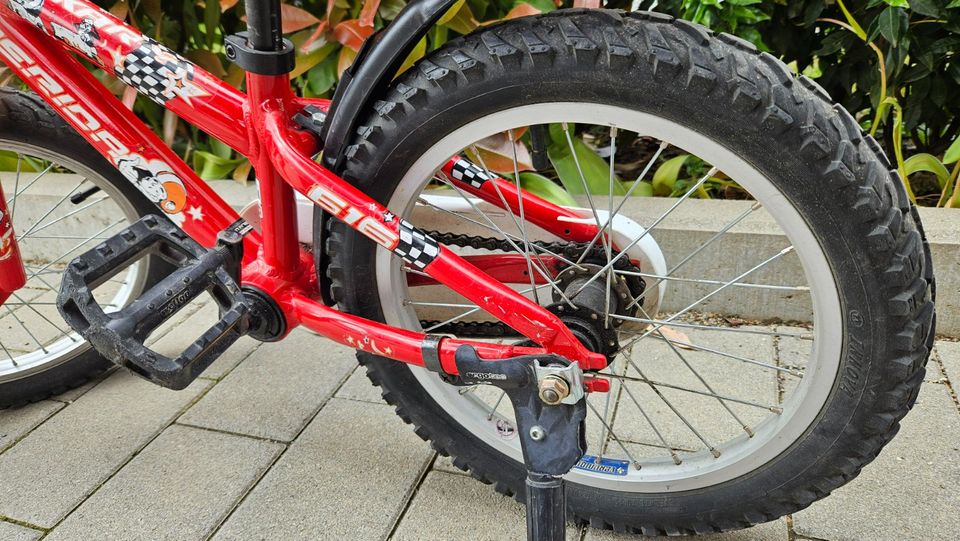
(264, 25)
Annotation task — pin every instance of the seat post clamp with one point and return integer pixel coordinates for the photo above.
(251, 60)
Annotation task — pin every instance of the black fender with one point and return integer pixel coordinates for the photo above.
(375, 66)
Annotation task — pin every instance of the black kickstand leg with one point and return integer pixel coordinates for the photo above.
(548, 398)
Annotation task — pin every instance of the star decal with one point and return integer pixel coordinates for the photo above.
(196, 213)
(388, 216)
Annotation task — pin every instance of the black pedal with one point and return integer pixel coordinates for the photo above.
(119, 335)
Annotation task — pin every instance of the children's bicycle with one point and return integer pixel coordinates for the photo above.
(479, 235)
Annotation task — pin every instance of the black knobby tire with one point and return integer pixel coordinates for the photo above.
(25, 119)
(785, 126)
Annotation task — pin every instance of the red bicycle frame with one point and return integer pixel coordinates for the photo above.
(259, 126)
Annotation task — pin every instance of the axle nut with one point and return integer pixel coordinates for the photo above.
(553, 389)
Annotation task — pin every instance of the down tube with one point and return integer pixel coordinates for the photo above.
(137, 152)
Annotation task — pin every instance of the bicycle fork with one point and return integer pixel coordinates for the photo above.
(12, 274)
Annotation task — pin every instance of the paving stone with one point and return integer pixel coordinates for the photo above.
(12, 532)
(768, 531)
(457, 507)
(54, 468)
(909, 492)
(949, 353)
(346, 477)
(181, 486)
(14, 423)
(276, 390)
(358, 387)
(445, 464)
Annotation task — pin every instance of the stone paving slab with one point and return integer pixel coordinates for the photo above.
(949, 354)
(15, 423)
(181, 486)
(457, 507)
(358, 387)
(768, 531)
(909, 492)
(12, 532)
(346, 477)
(277, 389)
(60, 463)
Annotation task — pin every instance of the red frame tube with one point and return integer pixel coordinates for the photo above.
(258, 126)
(12, 273)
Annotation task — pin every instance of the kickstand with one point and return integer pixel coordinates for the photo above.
(550, 422)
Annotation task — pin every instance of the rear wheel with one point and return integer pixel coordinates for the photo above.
(64, 198)
(712, 423)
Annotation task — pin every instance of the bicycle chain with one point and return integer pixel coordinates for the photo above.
(497, 329)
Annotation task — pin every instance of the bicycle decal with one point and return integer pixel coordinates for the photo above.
(29, 10)
(416, 247)
(159, 73)
(608, 466)
(156, 181)
(468, 172)
(83, 38)
(6, 236)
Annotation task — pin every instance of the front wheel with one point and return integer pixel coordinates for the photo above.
(712, 423)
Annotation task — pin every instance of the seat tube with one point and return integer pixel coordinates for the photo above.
(12, 275)
(281, 249)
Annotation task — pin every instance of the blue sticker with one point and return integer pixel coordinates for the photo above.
(608, 466)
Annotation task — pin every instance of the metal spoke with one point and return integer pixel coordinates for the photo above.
(7, 351)
(613, 434)
(706, 349)
(467, 313)
(664, 277)
(53, 208)
(743, 275)
(647, 231)
(497, 405)
(513, 237)
(546, 277)
(626, 198)
(713, 450)
(34, 181)
(16, 191)
(71, 213)
(711, 328)
(772, 408)
(663, 441)
(583, 180)
(22, 324)
(696, 374)
(45, 318)
(75, 248)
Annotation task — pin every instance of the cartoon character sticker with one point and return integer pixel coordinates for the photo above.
(29, 10)
(155, 180)
(83, 38)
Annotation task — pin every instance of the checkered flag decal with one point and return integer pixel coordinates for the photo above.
(415, 247)
(468, 172)
(155, 71)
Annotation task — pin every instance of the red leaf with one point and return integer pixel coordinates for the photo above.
(227, 4)
(347, 56)
(295, 18)
(368, 12)
(592, 4)
(522, 10)
(317, 34)
(129, 97)
(352, 34)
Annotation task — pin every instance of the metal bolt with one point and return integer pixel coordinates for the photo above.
(231, 52)
(537, 433)
(553, 389)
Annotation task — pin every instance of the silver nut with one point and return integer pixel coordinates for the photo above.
(553, 389)
(537, 433)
